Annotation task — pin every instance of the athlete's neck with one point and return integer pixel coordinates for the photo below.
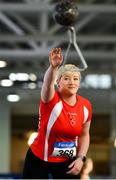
(69, 99)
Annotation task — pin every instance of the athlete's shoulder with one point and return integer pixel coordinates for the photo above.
(87, 105)
(84, 100)
(55, 98)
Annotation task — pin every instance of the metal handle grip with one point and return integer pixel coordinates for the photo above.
(72, 41)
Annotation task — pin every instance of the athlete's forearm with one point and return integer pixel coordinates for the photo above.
(47, 90)
(50, 76)
(83, 145)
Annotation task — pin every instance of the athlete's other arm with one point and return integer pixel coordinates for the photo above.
(83, 145)
(48, 89)
(84, 139)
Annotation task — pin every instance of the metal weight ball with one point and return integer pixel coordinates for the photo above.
(65, 12)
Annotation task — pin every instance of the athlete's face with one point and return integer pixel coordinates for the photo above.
(69, 83)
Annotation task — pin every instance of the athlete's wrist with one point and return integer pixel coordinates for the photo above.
(83, 158)
(54, 67)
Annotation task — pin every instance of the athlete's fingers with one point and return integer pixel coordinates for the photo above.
(73, 171)
(71, 165)
(59, 50)
(56, 51)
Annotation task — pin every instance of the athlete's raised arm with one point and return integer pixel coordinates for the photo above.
(48, 89)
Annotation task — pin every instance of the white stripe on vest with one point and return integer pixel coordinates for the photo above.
(86, 113)
(53, 117)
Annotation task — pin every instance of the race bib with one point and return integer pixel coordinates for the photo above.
(64, 149)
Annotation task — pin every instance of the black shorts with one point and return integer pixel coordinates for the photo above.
(35, 168)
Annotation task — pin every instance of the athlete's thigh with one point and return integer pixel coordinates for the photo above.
(60, 174)
(59, 171)
(34, 168)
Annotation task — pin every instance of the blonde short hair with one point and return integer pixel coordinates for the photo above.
(67, 68)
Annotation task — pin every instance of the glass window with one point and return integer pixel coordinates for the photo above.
(98, 81)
